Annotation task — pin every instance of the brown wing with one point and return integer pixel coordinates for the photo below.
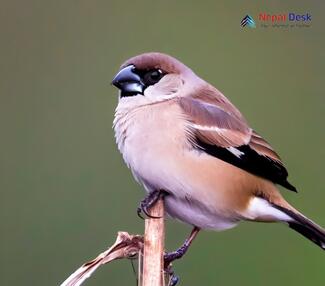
(221, 131)
(258, 144)
(214, 125)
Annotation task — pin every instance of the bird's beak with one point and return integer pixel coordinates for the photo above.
(128, 81)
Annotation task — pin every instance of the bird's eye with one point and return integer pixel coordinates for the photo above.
(152, 76)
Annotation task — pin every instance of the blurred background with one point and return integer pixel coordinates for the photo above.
(65, 191)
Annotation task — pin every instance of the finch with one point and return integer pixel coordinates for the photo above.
(180, 135)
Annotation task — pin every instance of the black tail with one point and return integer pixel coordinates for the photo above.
(305, 226)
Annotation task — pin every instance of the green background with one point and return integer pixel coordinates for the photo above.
(65, 191)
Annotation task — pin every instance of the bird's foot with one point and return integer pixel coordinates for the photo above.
(173, 279)
(148, 202)
(169, 257)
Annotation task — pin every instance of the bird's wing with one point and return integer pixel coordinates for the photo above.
(218, 128)
(213, 125)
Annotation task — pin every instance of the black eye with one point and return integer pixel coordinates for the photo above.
(152, 76)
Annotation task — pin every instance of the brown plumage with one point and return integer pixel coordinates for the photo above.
(156, 61)
(180, 134)
(220, 124)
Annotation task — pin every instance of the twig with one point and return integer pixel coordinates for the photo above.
(125, 246)
(151, 249)
(154, 236)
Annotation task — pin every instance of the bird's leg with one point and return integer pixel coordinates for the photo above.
(148, 202)
(177, 254)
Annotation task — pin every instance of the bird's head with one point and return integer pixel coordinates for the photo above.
(153, 75)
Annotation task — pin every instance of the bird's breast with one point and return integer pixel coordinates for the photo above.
(151, 138)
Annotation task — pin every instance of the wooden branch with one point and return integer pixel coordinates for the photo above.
(154, 245)
(150, 249)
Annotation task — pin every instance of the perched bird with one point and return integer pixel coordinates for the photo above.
(181, 136)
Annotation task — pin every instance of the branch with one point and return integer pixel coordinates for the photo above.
(154, 236)
(128, 246)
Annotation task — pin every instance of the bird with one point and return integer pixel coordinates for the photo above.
(183, 139)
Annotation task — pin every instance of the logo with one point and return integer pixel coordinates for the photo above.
(292, 17)
(279, 20)
(248, 21)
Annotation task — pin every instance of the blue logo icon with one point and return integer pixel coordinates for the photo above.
(248, 21)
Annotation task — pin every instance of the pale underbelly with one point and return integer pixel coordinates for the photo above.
(196, 214)
(193, 198)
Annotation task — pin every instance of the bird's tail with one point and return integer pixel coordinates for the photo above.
(304, 226)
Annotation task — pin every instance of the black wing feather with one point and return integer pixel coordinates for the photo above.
(251, 162)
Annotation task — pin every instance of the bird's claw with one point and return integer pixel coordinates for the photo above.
(172, 277)
(148, 202)
(169, 257)
(173, 280)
